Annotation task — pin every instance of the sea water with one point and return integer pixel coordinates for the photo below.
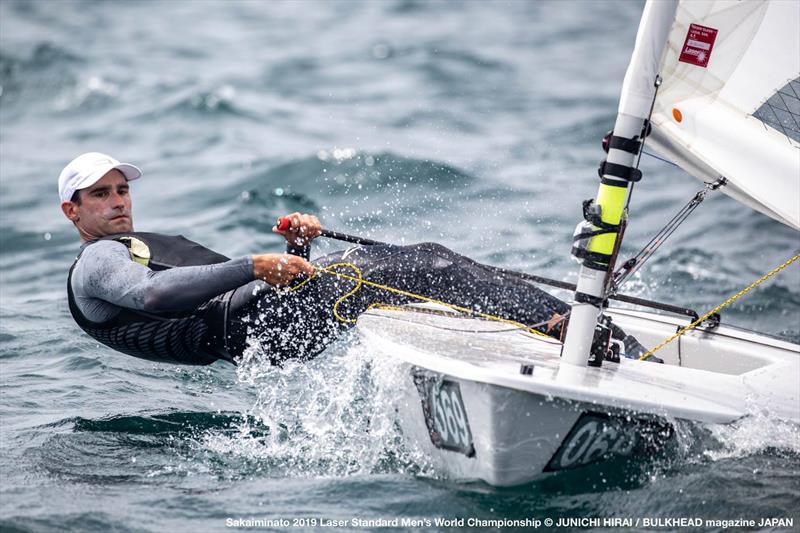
(472, 124)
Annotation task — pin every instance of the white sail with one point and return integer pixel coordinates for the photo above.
(729, 104)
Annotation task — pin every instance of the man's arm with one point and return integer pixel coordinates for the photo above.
(106, 271)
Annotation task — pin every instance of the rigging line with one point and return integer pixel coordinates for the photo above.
(676, 220)
(537, 279)
(652, 245)
(724, 304)
(360, 281)
(654, 156)
(656, 84)
(649, 253)
(686, 210)
(445, 314)
(647, 125)
(632, 265)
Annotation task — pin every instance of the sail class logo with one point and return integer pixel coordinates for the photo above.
(698, 45)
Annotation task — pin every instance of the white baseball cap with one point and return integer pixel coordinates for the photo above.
(87, 169)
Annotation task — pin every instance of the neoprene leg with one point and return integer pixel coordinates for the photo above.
(433, 271)
(302, 323)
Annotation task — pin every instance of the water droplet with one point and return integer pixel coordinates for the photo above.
(47, 236)
(381, 51)
(226, 92)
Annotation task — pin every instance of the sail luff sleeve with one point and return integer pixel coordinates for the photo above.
(638, 86)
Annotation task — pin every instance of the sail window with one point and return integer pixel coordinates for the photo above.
(782, 110)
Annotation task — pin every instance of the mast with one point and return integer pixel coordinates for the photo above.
(598, 237)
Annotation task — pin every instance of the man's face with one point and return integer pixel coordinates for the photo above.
(104, 208)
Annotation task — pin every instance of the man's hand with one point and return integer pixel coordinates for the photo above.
(302, 230)
(280, 269)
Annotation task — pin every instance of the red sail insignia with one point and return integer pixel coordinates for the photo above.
(698, 45)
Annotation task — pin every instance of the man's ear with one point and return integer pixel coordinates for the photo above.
(70, 210)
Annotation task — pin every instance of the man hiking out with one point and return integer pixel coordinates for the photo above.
(165, 298)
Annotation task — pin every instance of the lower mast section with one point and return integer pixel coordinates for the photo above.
(597, 238)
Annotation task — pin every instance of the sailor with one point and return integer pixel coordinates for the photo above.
(165, 298)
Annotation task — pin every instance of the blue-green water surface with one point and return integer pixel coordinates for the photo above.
(473, 124)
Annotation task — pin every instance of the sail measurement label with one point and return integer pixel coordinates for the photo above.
(698, 45)
(444, 412)
(597, 436)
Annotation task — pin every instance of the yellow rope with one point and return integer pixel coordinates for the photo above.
(722, 305)
(360, 281)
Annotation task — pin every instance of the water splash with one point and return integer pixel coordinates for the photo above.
(332, 416)
(756, 434)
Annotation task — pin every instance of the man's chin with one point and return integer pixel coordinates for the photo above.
(121, 225)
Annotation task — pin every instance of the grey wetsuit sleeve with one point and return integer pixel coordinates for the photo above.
(106, 272)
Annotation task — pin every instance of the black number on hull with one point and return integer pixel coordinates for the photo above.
(596, 436)
(445, 416)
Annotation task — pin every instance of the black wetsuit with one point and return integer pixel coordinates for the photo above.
(301, 323)
(287, 324)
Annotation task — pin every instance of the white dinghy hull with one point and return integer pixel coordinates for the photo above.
(486, 402)
(490, 402)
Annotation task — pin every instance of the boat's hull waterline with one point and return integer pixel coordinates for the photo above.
(486, 402)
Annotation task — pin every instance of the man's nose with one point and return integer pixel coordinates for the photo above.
(117, 199)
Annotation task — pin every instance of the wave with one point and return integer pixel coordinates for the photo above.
(441, 120)
(14, 240)
(221, 101)
(341, 185)
(41, 75)
(341, 171)
(173, 423)
(43, 56)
